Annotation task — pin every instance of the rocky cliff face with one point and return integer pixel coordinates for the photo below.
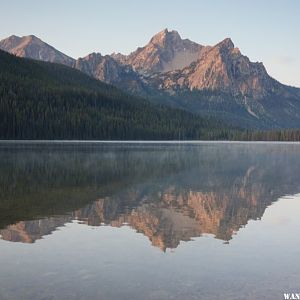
(32, 47)
(165, 52)
(222, 68)
(107, 69)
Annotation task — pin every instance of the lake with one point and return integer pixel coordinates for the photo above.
(88, 220)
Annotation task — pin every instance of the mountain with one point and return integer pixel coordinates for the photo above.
(222, 68)
(32, 47)
(225, 82)
(104, 68)
(165, 52)
(40, 100)
(217, 81)
(107, 69)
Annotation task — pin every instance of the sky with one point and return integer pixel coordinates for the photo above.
(265, 30)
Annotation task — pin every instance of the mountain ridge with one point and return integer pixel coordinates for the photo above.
(210, 80)
(33, 47)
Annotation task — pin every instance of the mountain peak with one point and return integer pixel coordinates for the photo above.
(226, 43)
(166, 51)
(13, 37)
(31, 37)
(162, 37)
(11, 40)
(93, 55)
(33, 47)
(164, 31)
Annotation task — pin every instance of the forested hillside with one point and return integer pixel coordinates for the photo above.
(41, 100)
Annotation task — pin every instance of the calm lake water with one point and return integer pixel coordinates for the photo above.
(149, 221)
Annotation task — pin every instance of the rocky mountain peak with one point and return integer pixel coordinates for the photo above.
(166, 51)
(226, 44)
(93, 56)
(221, 68)
(165, 38)
(9, 43)
(32, 47)
(31, 37)
(108, 69)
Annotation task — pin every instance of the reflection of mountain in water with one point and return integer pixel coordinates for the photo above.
(188, 192)
(30, 231)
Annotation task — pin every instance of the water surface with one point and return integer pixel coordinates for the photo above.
(149, 221)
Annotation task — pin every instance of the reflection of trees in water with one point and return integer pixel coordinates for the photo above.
(168, 193)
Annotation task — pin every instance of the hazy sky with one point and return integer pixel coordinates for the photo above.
(264, 30)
